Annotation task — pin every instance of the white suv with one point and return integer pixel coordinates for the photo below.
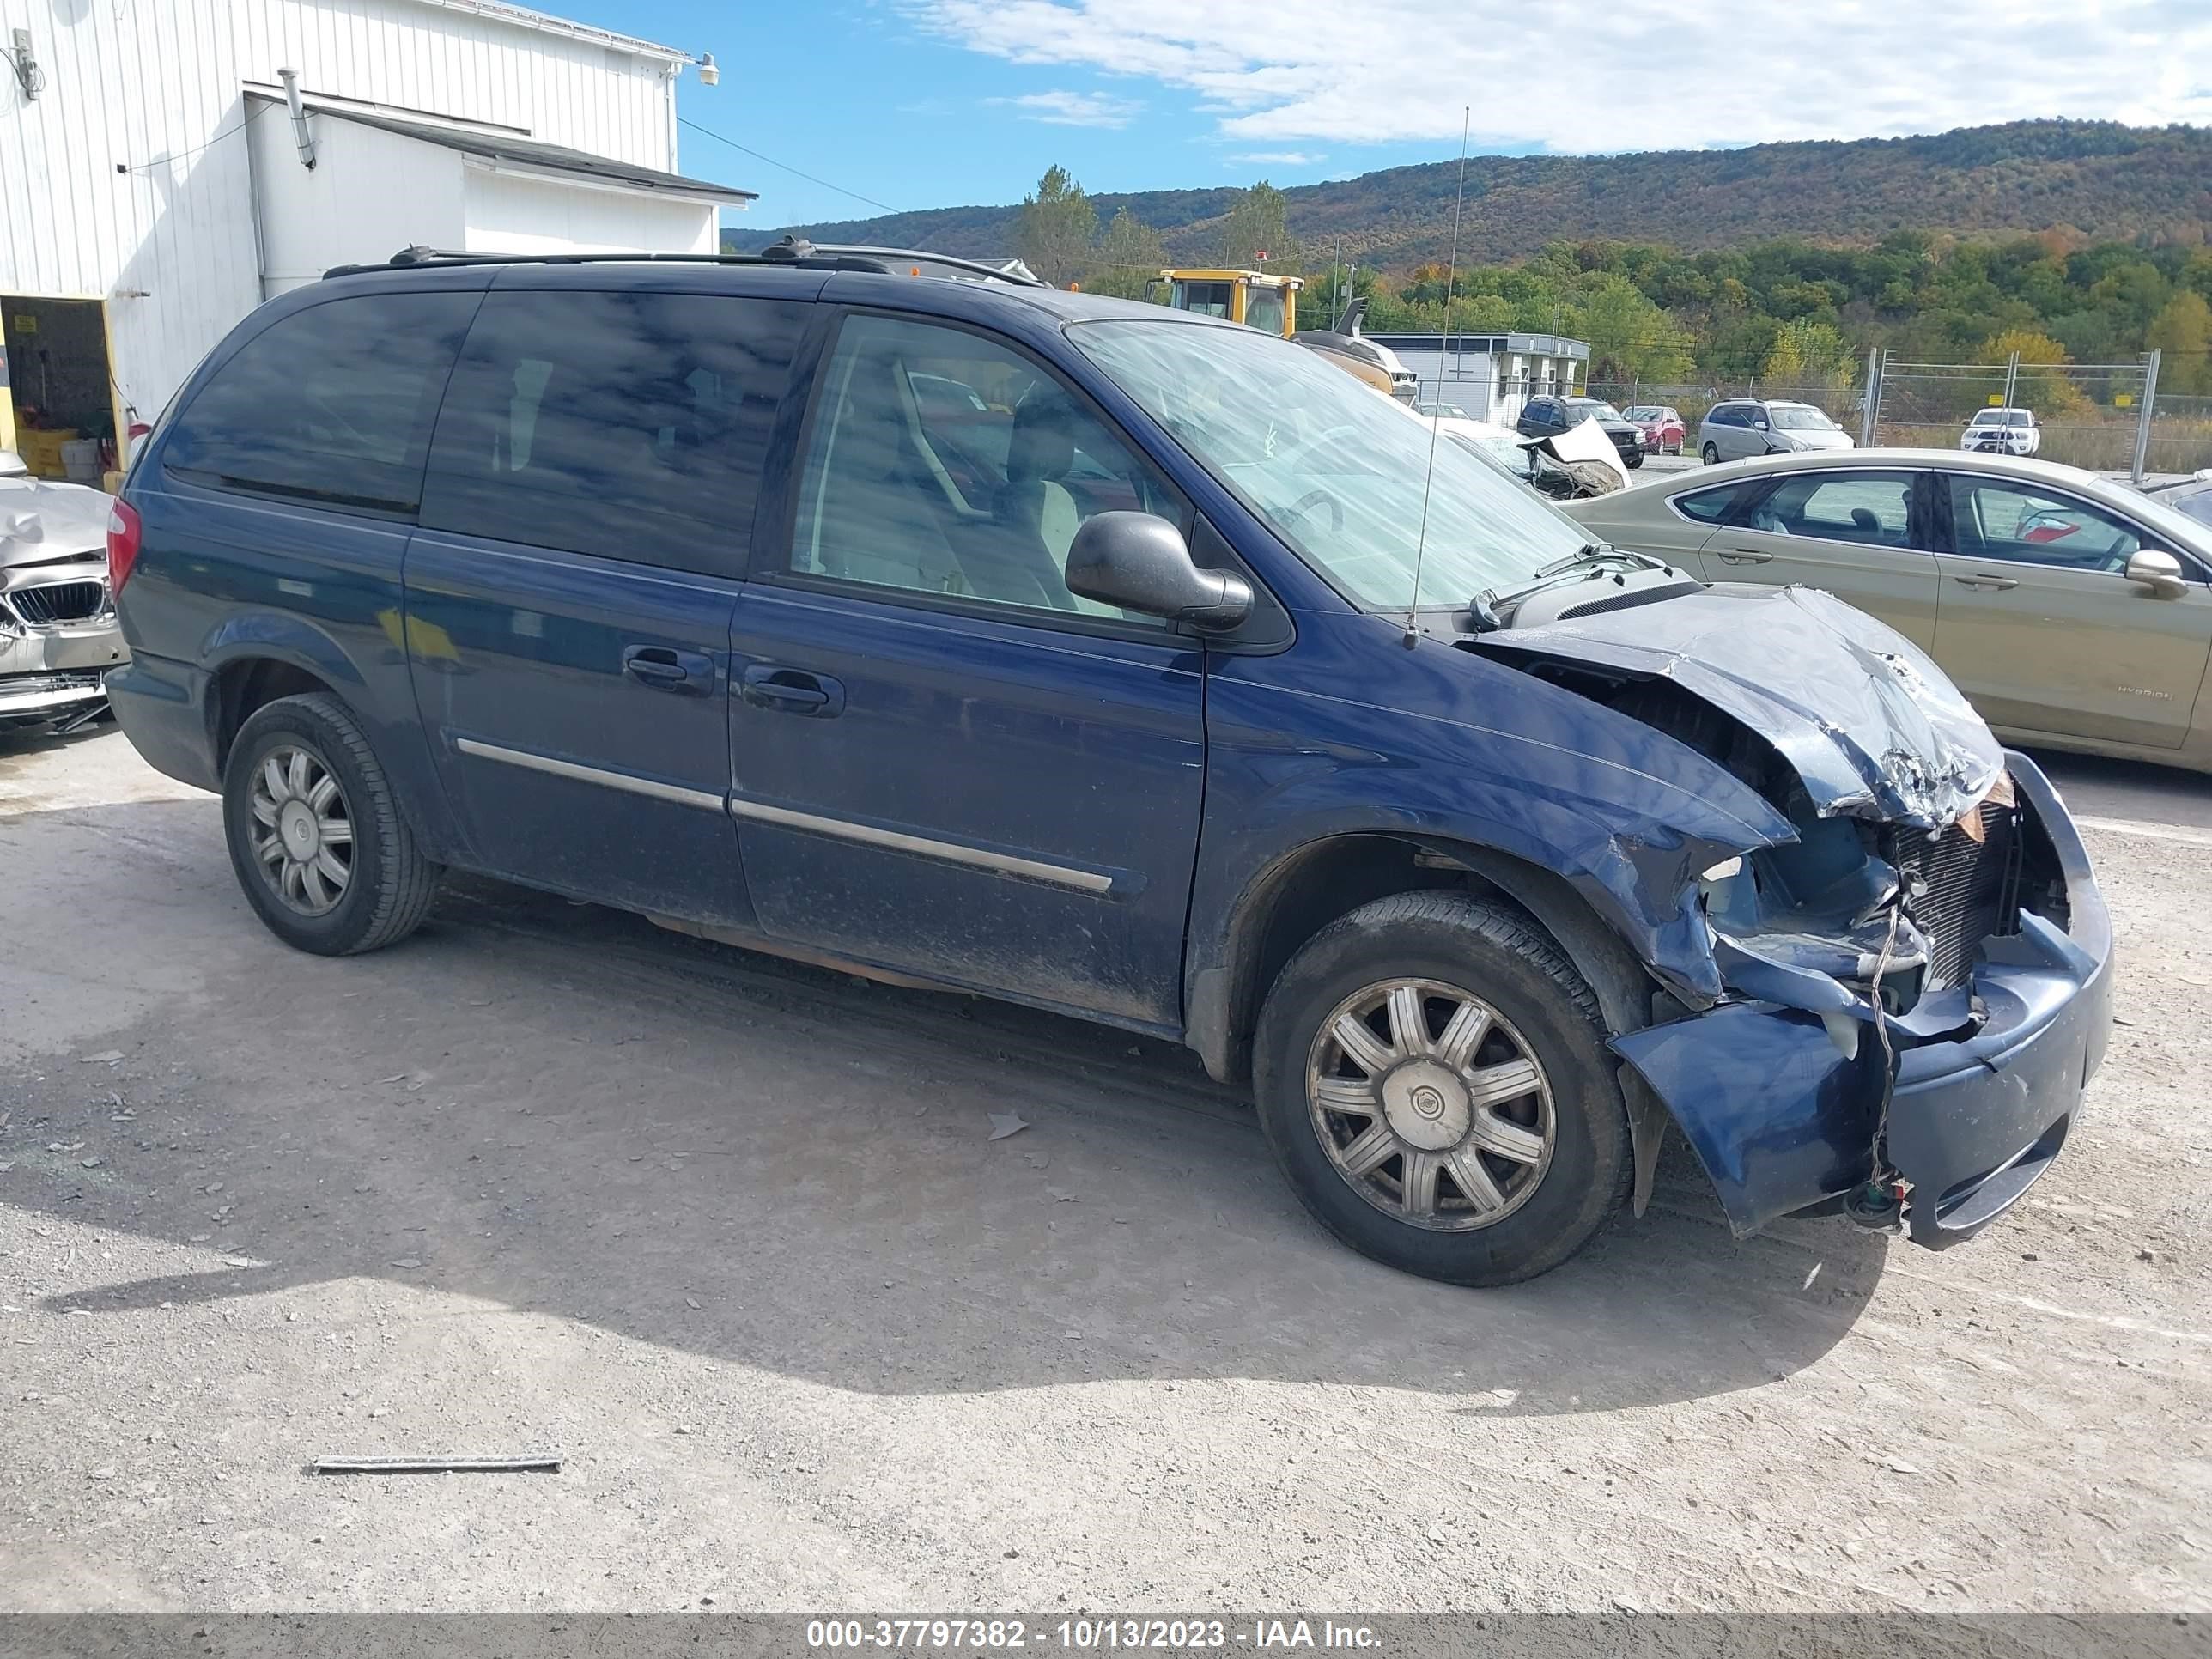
(2002, 432)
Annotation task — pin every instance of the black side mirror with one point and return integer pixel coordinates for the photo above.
(1141, 563)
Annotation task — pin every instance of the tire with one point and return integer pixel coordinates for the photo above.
(1710, 455)
(1445, 949)
(1634, 460)
(315, 744)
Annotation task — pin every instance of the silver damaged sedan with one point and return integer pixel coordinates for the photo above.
(58, 635)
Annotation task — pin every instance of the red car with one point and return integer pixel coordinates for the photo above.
(1662, 427)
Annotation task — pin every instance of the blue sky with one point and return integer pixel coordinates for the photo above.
(934, 103)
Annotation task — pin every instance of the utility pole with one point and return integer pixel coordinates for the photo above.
(2143, 420)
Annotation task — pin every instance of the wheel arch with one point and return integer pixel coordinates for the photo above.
(1309, 886)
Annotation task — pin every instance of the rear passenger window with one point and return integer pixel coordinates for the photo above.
(331, 404)
(631, 425)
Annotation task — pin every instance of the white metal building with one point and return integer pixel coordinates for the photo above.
(155, 185)
(1490, 376)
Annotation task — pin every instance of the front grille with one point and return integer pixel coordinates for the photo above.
(58, 602)
(1968, 889)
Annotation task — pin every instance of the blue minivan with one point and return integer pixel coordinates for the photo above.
(892, 613)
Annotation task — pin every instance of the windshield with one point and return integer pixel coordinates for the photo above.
(1332, 467)
(1796, 417)
(1590, 408)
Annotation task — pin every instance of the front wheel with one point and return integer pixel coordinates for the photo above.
(1710, 455)
(1432, 1077)
(1635, 458)
(316, 835)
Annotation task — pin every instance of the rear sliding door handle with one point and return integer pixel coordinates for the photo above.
(791, 690)
(1745, 555)
(1986, 583)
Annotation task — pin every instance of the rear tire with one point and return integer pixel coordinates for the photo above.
(1476, 1133)
(1709, 455)
(317, 839)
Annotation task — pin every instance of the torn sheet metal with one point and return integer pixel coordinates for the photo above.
(1585, 447)
(1871, 726)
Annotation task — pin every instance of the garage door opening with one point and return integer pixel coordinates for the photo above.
(57, 391)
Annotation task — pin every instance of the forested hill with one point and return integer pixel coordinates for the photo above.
(2099, 178)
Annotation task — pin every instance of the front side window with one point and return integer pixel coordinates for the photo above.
(1997, 518)
(631, 425)
(332, 405)
(931, 494)
(1340, 474)
(1263, 310)
(1872, 508)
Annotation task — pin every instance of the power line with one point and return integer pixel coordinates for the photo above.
(785, 166)
(247, 120)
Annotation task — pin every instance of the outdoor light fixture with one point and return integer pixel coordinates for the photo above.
(709, 75)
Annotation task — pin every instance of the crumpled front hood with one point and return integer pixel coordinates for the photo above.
(1872, 727)
(71, 520)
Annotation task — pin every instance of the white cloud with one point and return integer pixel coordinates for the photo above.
(1579, 75)
(1072, 109)
(1280, 158)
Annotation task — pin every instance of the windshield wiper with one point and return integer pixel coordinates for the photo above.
(1600, 553)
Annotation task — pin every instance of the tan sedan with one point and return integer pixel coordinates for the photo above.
(2074, 612)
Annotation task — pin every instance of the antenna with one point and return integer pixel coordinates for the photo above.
(1429, 479)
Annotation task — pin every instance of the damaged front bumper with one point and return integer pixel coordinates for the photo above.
(1984, 1079)
(54, 676)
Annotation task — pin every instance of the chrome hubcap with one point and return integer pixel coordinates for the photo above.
(302, 831)
(1430, 1104)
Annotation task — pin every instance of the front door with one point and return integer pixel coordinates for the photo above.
(2041, 627)
(944, 761)
(1862, 533)
(586, 522)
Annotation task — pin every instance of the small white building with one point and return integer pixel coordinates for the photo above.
(155, 183)
(1490, 376)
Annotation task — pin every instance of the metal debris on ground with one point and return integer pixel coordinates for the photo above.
(1005, 1123)
(106, 1058)
(527, 1463)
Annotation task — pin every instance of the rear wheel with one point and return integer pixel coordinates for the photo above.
(1709, 455)
(1432, 1075)
(315, 832)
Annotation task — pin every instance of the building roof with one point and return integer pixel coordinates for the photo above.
(1533, 345)
(500, 11)
(529, 153)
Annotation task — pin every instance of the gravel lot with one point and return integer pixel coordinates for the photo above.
(729, 1235)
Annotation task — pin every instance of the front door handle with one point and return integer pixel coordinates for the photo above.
(1745, 555)
(689, 673)
(1986, 583)
(791, 690)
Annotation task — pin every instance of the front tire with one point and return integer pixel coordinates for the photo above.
(316, 836)
(1710, 455)
(1634, 460)
(1432, 1077)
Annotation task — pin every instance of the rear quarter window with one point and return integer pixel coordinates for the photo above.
(1714, 506)
(631, 425)
(334, 404)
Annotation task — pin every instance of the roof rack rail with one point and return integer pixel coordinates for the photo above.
(789, 251)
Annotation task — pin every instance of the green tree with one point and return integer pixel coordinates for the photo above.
(2183, 332)
(1054, 230)
(2043, 384)
(1129, 255)
(1807, 355)
(1257, 225)
(1629, 337)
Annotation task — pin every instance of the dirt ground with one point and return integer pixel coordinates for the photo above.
(730, 1235)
